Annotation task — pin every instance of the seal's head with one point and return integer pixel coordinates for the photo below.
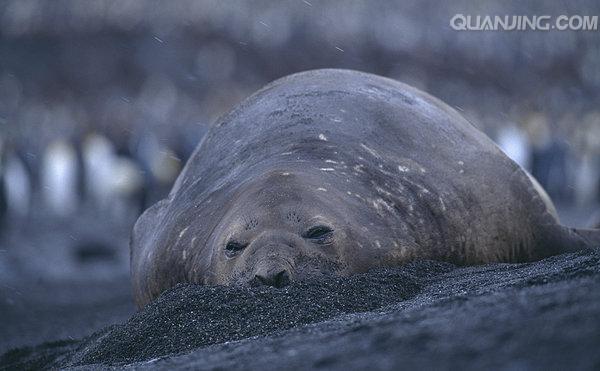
(273, 227)
(280, 227)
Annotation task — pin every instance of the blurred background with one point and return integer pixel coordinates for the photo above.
(102, 102)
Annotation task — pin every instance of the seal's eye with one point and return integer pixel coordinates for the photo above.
(319, 234)
(234, 247)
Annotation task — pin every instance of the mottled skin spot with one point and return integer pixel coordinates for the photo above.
(422, 183)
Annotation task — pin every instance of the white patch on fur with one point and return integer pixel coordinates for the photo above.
(327, 169)
(382, 191)
(322, 137)
(370, 150)
(183, 232)
(422, 190)
(381, 203)
(442, 204)
(403, 169)
(322, 189)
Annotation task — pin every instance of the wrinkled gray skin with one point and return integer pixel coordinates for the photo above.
(337, 172)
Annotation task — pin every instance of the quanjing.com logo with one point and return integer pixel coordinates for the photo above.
(461, 22)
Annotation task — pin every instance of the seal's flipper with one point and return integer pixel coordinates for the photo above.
(140, 243)
(594, 221)
(574, 239)
(591, 237)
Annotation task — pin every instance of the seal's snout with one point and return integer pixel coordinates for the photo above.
(276, 277)
(274, 260)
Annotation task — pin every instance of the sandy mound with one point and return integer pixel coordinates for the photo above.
(426, 314)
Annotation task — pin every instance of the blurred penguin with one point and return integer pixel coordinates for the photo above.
(162, 166)
(3, 197)
(114, 184)
(126, 189)
(549, 157)
(98, 155)
(586, 168)
(17, 187)
(515, 144)
(587, 180)
(59, 178)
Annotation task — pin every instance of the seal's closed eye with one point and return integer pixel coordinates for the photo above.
(319, 233)
(233, 247)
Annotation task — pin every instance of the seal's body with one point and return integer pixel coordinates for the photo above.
(337, 172)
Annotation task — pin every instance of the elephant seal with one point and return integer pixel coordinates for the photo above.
(337, 172)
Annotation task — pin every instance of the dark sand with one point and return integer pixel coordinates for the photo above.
(542, 315)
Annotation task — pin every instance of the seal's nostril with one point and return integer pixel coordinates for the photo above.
(260, 280)
(278, 280)
(282, 279)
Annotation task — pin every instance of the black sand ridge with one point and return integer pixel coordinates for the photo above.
(528, 313)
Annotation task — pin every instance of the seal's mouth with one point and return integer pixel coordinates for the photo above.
(277, 280)
(276, 272)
